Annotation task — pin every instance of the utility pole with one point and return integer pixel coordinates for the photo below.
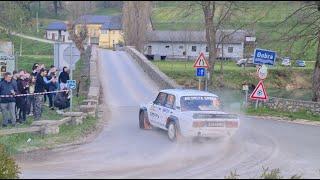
(20, 37)
(37, 22)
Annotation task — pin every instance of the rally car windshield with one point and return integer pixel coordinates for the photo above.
(199, 103)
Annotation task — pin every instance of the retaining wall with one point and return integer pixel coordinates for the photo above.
(161, 79)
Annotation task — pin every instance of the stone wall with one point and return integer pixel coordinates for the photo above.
(162, 80)
(291, 105)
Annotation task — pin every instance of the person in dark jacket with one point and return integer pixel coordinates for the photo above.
(21, 101)
(52, 83)
(63, 77)
(8, 104)
(40, 87)
(35, 69)
(62, 101)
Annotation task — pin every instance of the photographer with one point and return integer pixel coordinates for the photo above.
(52, 85)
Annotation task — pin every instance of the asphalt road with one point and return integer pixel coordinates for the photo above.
(122, 150)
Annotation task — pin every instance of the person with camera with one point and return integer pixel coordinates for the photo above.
(40, 87)
(8, 104)
(51, 80)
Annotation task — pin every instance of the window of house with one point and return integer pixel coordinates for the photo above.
(167, 47)
(194, 48)
(180, 47)
(230, 49)
(207, 49)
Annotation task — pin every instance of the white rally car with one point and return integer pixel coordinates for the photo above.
(188, 113)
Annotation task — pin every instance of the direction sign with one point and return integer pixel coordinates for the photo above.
(262, 56)
(71, 84)
(262, 72)
(71, 55)
(259, 92)
(201, 62)
(201, 72)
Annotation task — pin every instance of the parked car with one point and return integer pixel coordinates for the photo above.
(286, 61)
(248, 62)
(301, 63)
(188, 113)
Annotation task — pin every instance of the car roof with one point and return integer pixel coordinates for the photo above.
(187, 92)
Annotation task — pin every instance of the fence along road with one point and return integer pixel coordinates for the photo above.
(122, 150)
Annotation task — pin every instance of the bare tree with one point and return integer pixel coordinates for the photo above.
(136, 22)
(302, 26)
(77, 27)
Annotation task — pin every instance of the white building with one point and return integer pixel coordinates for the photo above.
(188, 44)
(57, 31)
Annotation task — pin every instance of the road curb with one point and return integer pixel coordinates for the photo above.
(288, 120)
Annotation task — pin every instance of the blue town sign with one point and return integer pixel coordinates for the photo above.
(262, 56)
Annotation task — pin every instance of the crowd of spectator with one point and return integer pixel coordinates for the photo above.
(19, 93)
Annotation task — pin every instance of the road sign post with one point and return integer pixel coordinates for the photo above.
(201, 64)
(245, 88)
(259, 93)
(72, 54)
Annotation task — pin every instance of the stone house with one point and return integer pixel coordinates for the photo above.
(57, 31)
(184, 45)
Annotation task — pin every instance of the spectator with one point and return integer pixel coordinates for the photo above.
(7, 104)
(35, 69)
(40, 87)
(15, 76)
(62, 100)
(21, 101)
(51, 81)
(63, 77)
(31, 99)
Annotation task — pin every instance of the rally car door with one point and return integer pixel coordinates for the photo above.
(155, 112)
(168, 109)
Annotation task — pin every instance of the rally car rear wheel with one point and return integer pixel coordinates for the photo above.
(144, 121)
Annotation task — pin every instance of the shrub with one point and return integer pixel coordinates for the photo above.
(8, 167)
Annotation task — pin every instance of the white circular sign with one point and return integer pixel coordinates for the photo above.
(263, 72)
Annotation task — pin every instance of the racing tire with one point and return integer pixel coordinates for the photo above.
(144, 121)
(141, 119)
(173, 132)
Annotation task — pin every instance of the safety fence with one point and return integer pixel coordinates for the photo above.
(33, 94)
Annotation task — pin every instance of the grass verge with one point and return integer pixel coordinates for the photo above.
(19, 142)
(29, 47)
(265, 111)
(233, 76)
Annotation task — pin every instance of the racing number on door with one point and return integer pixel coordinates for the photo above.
(168, 109)
(156, 109)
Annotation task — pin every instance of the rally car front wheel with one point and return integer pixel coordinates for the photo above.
(173, 132)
